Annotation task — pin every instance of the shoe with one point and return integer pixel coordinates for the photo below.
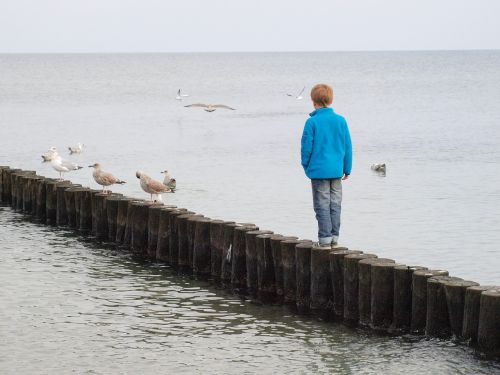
(334, 244)
(323, 246)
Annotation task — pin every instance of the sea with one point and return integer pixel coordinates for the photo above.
(70, 305)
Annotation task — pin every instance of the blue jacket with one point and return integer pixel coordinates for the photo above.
(326, 145)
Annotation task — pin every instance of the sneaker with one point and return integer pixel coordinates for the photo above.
(324, 246)
(334, 244)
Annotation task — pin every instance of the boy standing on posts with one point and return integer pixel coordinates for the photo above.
(326, 152)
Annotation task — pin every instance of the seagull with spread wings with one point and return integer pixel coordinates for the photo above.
(180, 96)
(210, 107)
(298, 97)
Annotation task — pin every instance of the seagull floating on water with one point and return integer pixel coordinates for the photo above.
(210, 107)
(76, 149)
(298, 97)
(49, 155)
(378, 167)
(104, 178)
(151, 186)
(180, 96)
(63, 166)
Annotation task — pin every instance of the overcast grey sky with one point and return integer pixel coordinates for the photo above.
(252, 25)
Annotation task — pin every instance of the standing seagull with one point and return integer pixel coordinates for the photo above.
(298, 97)
(104, 178)
(63, 166)
(180, 96)
(76, 149)
(49, 155)
(169, 181)
(210, 107)
(151, 186)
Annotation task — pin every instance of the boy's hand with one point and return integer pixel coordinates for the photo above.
(346, 176)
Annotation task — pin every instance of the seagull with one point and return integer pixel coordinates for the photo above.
(49, 155)
(104, 178)
(63, 166)
(151, 186)
(298, 97)
(378, 167)
(210, 107)
(180, 96)
(76, 149)
(169, 181)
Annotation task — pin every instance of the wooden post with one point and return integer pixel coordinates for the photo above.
(227, 250)
(2, 189)
(216, 247)
(163, 246)
(184, 241)
(41, 199)
(365, 288)
(62, 211)
(251, 260)
(401, 319)
(99, 216)
(9, 189)
(337, 277)
(471, 312)
(455, 300)
(51, 200)
(321, 283)
(121, 220)
(437, 319)
(69, 201)
(288, 262)
(129, 226)
(29, 193)
(419, 298)
(276, 241)
(153, 227)
(112, 205)
(190, 228)
(238, 260)
(201, 247)
(488, 335)
(382, 295)
(351, 286)
(303, 276)
(173, 256)
(139, 235)
(18, 188)
(266, 286)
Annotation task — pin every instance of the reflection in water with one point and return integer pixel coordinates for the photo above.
(68, 304)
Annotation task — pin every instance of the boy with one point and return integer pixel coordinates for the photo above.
(326, 152)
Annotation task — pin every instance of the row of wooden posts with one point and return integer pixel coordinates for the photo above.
(351, 286)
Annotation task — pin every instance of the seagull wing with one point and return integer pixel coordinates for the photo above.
(301, 91)
(222, 106)
(197, 105)
(157, 186)
(179, 92)
(70, 166)
(107, 178)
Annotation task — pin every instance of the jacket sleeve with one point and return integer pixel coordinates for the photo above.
(307, 144)
(348, 151)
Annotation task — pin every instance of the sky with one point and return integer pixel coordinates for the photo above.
(79, 26)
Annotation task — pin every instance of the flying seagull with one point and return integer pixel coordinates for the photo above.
(298, 97)
(49, 155)
(180, 96)
(76, 149)
(63, 166)
(151, 186)
(104, 178)
(210, 107)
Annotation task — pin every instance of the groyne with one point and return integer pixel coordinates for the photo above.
(342, 285)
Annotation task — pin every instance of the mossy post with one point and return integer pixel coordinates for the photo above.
(153, 226)
(163, 246)
(402, 297)
(488, 335)
(303, 276)
(455, 300)
(251, 260)
(365, 288)
(471, 312)
(201, 247)
(437, 322)
(351, 286)
(419, 298)
(337, 277)
(238, 261)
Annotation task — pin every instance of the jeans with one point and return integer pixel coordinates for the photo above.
(327, 199)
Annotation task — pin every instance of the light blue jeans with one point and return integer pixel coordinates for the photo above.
(327, 200)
